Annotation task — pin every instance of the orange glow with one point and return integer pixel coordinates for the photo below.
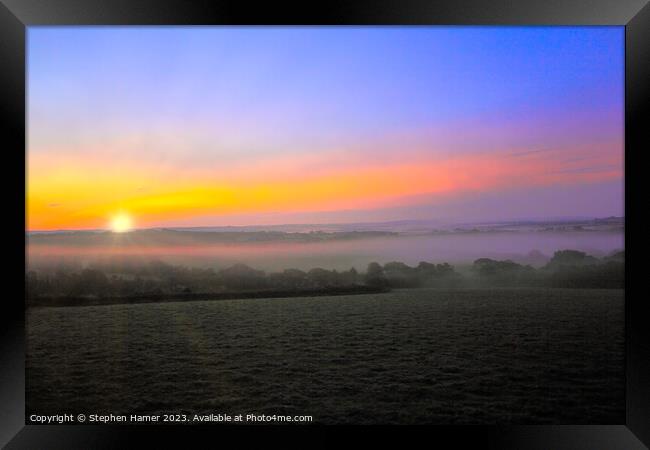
(71, 194)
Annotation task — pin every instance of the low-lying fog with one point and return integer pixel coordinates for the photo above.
(332, 252)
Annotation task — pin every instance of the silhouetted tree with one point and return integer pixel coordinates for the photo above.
(502, 273)
(399, 275)
(349, 277)
(321, 278)
(437, 275)
(375, 275)
(618, 256)
(563, 258)
(240, 276)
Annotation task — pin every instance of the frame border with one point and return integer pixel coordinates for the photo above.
(16, 15)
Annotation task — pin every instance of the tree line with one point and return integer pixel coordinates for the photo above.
(567, 268)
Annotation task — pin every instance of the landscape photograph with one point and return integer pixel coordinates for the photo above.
(325, 225)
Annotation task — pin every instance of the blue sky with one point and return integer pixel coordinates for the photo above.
(237, 94)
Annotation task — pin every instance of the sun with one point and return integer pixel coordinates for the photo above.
(121, 223)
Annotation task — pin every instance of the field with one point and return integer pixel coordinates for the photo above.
(408, 356)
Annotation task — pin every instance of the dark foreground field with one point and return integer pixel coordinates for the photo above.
(411, 356)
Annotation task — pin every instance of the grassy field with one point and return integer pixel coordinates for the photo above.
(410, 356)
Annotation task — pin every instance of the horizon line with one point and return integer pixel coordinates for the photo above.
(386, 222)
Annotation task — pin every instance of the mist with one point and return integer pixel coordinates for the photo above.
(528, 247)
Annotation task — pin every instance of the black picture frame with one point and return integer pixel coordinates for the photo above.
(16, 15)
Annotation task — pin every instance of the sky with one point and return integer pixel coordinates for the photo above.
(210, 126)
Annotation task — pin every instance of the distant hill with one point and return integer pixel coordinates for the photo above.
(319, 232)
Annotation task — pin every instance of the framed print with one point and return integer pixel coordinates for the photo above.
(364, 215)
